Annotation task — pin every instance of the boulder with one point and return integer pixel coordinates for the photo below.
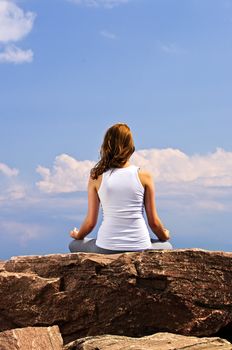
(158, 341)
(134, 294)
(32, 338)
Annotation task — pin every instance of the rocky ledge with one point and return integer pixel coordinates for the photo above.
(158, 341)
(42, 338)
(188, 292)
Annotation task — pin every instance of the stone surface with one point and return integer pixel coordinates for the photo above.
(2, 262)
(135, 294)
(159, 341)
(32, 338)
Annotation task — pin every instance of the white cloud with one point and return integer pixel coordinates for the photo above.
(67, 175)
(13, 54)
(167, 165)
(173, 166)
(10, 187)
(199, 181)
(15, 24)
(172, 49)
(100, 3)
(108, 35)
(6, 170)
(12, 192)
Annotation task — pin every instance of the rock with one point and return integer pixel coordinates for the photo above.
(135, 294)
(2, 262)
(32, 338)
(159, 341)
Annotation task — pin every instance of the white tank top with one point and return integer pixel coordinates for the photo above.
(122, 198)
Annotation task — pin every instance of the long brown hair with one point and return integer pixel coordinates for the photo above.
(116, 149)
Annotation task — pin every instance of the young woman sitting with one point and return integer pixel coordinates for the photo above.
(123, 190)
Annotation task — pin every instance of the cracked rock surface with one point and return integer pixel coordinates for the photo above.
(31, 338)
(159, 341)
(134, 294)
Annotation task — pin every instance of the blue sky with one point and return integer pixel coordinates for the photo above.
(70, 69)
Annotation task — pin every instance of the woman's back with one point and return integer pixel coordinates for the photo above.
(123, 194)
(122, 198)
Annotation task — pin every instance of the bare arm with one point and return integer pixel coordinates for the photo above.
(91, 218)
(150, 207)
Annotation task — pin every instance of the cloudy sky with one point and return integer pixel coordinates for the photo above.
(69, 69)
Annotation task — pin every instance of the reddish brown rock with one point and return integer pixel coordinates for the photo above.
(135, 294)
(31, 338)
(159, 341)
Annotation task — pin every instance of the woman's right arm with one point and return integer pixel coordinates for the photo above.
(150, 207)
(92, 215)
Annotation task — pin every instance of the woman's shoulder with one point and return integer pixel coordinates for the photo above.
(96, 182)
(144, 172)
(145, 176)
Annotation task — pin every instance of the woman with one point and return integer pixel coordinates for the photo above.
(123, 191)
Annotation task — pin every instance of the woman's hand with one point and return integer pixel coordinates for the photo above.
(74, 233)
(167, 233)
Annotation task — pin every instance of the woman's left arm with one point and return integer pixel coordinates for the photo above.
(91, 218)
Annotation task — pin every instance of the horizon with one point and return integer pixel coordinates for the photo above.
(70, 71)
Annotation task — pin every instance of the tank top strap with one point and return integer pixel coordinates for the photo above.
(136, 172)
(136, 167)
